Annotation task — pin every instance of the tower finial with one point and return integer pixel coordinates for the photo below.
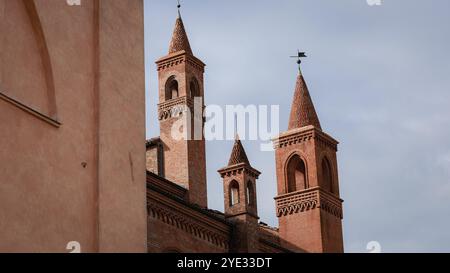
(299, 57)
(179, 8)
(236, 133)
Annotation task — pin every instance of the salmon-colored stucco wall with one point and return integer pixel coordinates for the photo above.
(75, 172)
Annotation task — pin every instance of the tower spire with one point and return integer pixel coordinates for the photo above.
(238, 155)
(303, 112)
(309, 207)
(181, 77)
(180, 39)
(240, 200)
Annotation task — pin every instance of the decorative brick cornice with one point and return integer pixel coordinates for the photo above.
(168, 63)
(180, 58)
(239, 169)
(188, 223)
(196, 63)
(287, 140)
(174, 108)
(310, 199)
(304, 134)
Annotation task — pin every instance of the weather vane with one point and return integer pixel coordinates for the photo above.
(179, 8)
(299, 57)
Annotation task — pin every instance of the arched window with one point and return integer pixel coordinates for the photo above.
(296, 174)
(172, 88)
(234, 193)
(250, 193)
(327, 177)
(194, 88)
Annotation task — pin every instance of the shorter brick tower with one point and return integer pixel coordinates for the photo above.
(181, 106)
(308, 204)
(239, 182)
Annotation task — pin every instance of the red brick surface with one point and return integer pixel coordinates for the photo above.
(309, 210)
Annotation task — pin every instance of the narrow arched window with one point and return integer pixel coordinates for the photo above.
(327, 177)
(250, 193)
(172, 88)
(296, 174)
(234, 193)
(194, 88)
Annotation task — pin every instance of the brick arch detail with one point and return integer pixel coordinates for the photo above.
(285, 170)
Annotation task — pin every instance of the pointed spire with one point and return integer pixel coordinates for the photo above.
(238, 154)
(303, 112)
(180, 40)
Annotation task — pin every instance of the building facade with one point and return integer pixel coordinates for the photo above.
(308, 203)
(72, 115)
(75, 165)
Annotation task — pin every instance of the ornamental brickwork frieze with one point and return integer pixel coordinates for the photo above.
(297, 137)
(239, 169)
(180, 59)
(187, 224)
(310, 199)
(174, 108)
(171, 63)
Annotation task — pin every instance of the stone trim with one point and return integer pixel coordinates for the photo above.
(30, 110)
(310, 199)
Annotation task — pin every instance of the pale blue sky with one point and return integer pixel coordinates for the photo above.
(379, 78)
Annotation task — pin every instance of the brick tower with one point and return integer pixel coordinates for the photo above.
(308, 204)
(181, 100)
(239, 183)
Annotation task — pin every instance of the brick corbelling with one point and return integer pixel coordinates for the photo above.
(239, 169)
(184, 223)
(195, 63)
(178, 59)
(174, 108)
(310, 199)
(305, 134)
(188, 220)
(171, 63)
(293, 139)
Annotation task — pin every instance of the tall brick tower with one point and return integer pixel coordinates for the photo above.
(239, 183)
(180, 89)
(308, 204)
